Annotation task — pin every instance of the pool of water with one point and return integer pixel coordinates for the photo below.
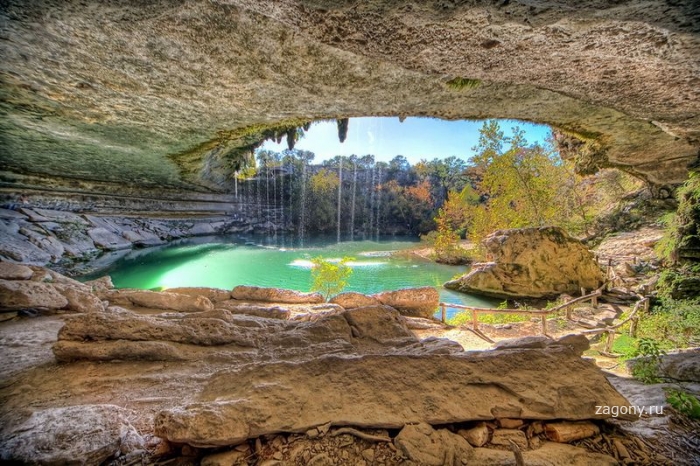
(225, 262)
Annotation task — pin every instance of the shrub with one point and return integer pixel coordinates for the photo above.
(330, 277)
(683, 402)
(646, 368)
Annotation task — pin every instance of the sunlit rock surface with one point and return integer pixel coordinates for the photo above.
(531, 262)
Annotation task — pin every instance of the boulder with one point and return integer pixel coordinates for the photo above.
(159, 300)
(275, 295)
(412, 302)
(215, 295)
(16, 295)
(105, 239)
(142, 238)
(684, 366)
(426, 446)
(80, 300)
(380, 323)
(10, 271)
(85, 435)
(531, 262)
(351, 300)
(100, 284)
(389, 391)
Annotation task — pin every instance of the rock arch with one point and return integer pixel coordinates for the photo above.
(171, 93)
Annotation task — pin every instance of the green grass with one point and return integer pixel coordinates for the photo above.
(487, 318)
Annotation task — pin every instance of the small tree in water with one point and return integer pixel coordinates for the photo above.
(330, 277)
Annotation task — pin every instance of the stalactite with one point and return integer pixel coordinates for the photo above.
(291, 138)
(342, 128)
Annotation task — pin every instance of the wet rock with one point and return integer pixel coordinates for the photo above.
(107, 240)
(142, 238)
(10, 271)
(412, 302)
(85, 434)
(275, 295)
(215, 295)
(351, 300)
(426, 446)
(388, 391)
(531, 262)
(16, 295)
(202, 229)
(159, 300)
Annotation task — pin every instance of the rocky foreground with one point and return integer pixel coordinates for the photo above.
(266, 376)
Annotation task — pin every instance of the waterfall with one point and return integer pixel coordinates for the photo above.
(372, 201)
(379, 197)
(352, 206)
(302, 220)
(340, 196)
(282, 219)
(275, 212)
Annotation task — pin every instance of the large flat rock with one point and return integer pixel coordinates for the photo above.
(76, 435)
(389, 391)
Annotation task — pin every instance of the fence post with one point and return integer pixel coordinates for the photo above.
(442, 312)
(609, 341)
(646, 304)
(583, 291)
(568, 312)
(544, 324)
(475, 320)
(633, 327)
(594, 300)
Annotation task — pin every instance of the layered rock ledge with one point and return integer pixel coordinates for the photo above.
(229, 371)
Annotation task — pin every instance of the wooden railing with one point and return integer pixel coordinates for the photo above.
(611, 331)
(541, 313)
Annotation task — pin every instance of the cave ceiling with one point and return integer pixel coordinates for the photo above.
(173, 93)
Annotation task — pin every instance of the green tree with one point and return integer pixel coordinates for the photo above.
(330, 277)
(520, 183)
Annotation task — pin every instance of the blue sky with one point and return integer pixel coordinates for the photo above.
(415, 138)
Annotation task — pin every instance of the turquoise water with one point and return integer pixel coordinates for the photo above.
(225, 262)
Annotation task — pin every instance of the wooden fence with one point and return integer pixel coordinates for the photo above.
(541, 313)
(611, 331)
